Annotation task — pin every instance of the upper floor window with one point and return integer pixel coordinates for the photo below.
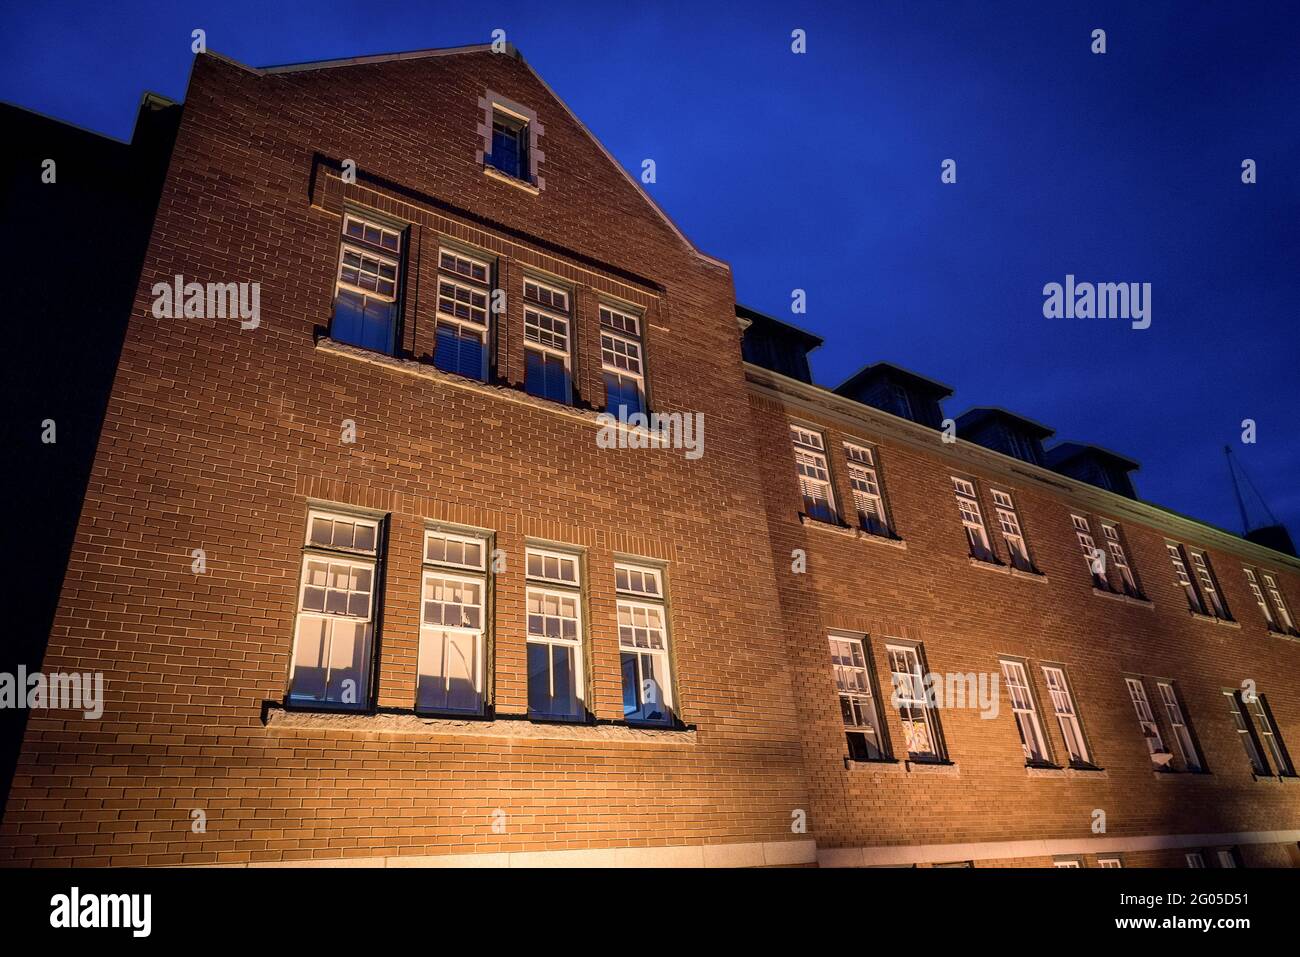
(451, 664)
(1272, 739)
(814, 474)
(643, 644)
(1178, 722)
(1137, 693)
(622, 362)
(1209, 585)
(1246, 731)
(1279, 603)
(851, 669)
(510, 143)
(1260, 600)
(368, 284)
(867, 497)
(1093, 556)
(547, 347)
(556, 687)
(462, 314)
(1119, 560)
(334, 632)
(1022, 705)
(972, 520)
(1067, 715)
(1184, 579)
(915, 707)
(1009, 522)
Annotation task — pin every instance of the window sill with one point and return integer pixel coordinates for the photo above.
(493, 173)
(1211, 619)
(807, 521)
(1082, 772)
(1120, 596)
(277, 719)
(1044, 771)
(1178, 774)
(945, 769)
(882, 766)
(988, 566)
(1029, 576)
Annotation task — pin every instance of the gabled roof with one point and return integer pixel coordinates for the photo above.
(1064, 452)
(510, 50)
(977, 416)
(851, 385)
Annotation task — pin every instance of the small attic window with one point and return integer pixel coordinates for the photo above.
(509, 144)
(510, 141)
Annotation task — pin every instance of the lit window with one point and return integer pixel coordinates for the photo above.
(334, 631)
(1184, 580)
(1067, 864)
(1009, 523)
(367, 286)
(1246, 731)
(1022, 705)
(971, 519)
(920, 725)
(1272, 740)
(1137, 693)
(462, 315)
(814, 475)
(1274, 592)
(1066, 714)
(866, 489)
(643, 644)
(450, 663)
(554, 614)
(1111, 862)
(1119, 559)
(857, 702)
(546, 341)
(1093, 556)
(621, 362)
(1260, 600)
(1177, 721)
(1209, 586)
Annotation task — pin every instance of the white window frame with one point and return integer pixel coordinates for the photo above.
(1155, 743)
(1209, 585)
(369, 559)
(477, 638)
(1071, 864)
(1279, 601)
(1194, 859)
(1178, 721)
(466, 282)
(1109, 862)
(854, 688)
(1032, 740)
(868, 497)
(972, 519)
(1119, 558)
(1225, 857)
(612, 335)
(907, 679)
(1272, 741)
(1184, 578)
(1004, 507)
(1093, 557)
(1067, 714)
(630, 599)
(1246, 732)
(545, 586)
(810, 459)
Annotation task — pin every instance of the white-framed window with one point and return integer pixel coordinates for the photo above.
(814, 474)
(920, 724)
(1226, 857)
(334, 631)
(1194, 859)
(643, 644)
(461, 320)
(972, 519)
(555, 650)
(1137, 693)
(1118, 558)
(622, 361)
(1178, 721)
(1093, 556)
(451, 660)
(1260, 600)
(1022, 705)
(1209, 586)
(511, 143)
(1111, 862)
(867, 498)
(1184, 579)
(367, 284)
(1009, 522)
(547, 341)
(1071, 864)
(1283, 612)
(1246, 731)
(1067, 714)
(1272, 740)
(851, 669)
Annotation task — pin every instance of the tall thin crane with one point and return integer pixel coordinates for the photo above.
(1271, 533)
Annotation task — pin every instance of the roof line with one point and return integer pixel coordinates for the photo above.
(511, 50)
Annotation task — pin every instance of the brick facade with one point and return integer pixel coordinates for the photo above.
(220, 438)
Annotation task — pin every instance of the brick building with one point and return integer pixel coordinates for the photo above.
(368, 583)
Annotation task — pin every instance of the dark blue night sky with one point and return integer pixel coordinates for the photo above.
(821, 172)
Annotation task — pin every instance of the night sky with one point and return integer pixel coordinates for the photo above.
(822, 172)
